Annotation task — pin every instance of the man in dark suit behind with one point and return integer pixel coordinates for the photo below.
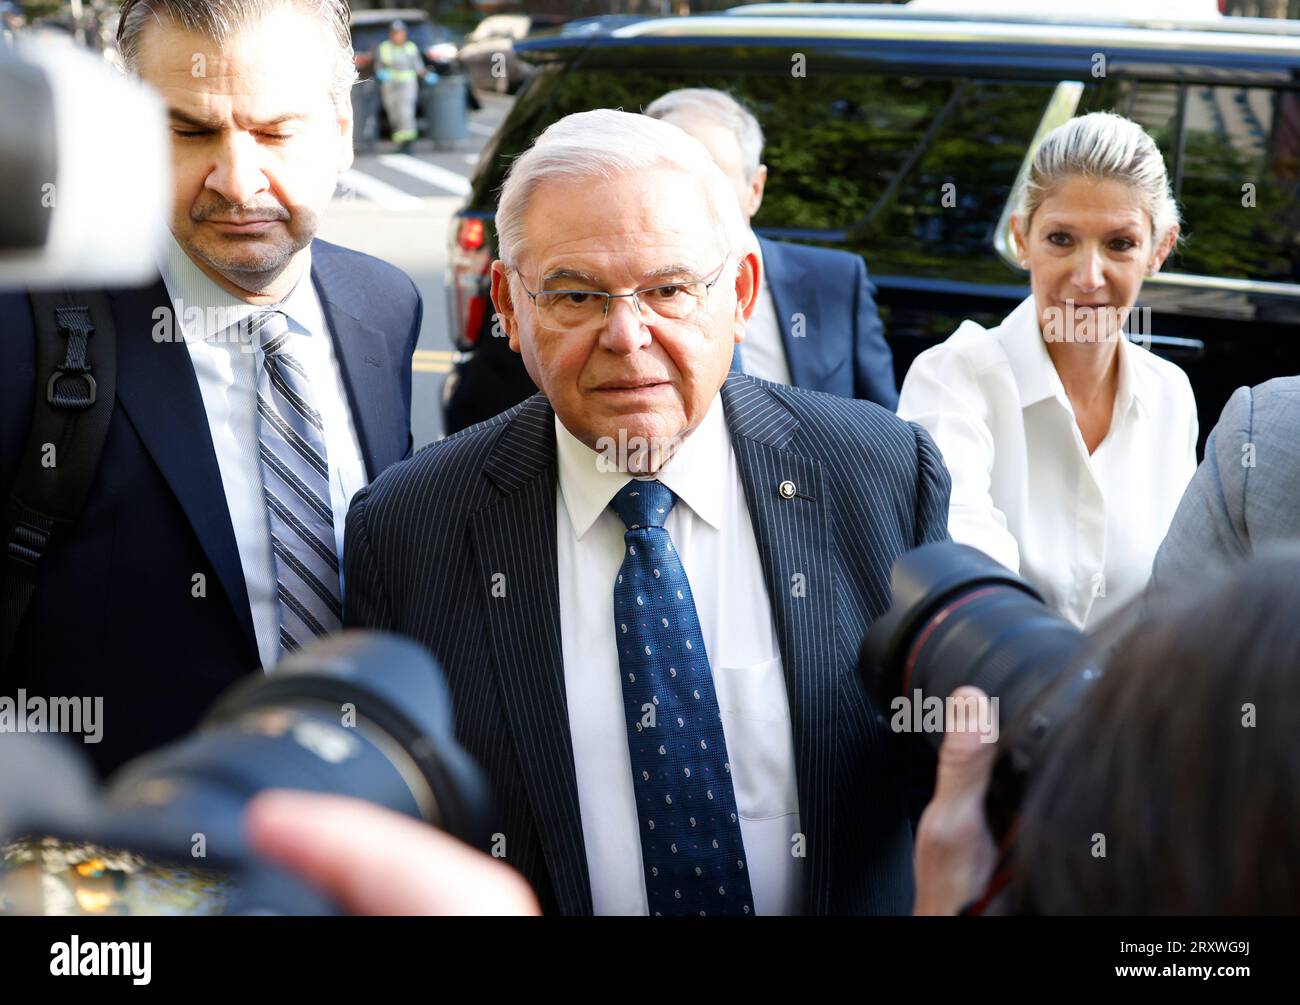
(648, 585)
(815, 324)
(261, 380)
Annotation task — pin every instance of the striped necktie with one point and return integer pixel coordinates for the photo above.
(296, 483)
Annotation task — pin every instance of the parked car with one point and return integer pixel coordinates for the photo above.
(600, 23)
(900, 135)
(488, 54)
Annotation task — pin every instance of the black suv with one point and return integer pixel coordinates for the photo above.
(900, 136)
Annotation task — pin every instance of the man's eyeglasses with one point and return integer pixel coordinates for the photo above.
(567, 310)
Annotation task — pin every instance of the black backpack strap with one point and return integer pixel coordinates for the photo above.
(76, 369)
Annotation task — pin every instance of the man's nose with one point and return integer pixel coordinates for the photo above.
(623, 331)
(237, 175)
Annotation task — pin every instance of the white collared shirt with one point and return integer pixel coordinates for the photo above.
(711, 530)
(1083, 529)
(227, 371)
(762, 353)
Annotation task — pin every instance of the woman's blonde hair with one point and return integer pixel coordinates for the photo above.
(1101, 145)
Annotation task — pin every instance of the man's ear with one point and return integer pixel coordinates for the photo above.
(749, 281)
(345, 133)
(504, 304)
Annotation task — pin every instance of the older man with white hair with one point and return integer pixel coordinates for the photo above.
(647, 584)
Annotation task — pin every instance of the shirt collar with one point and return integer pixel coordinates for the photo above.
(1129, 393)
(1035, 373)
(695, 473)
(204, 309)
(762, 266)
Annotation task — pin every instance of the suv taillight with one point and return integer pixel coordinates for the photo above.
(470, 235)
(468, 263)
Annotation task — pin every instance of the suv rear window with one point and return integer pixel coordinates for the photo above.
(1235, 168)
(854, 158)
(913, 170)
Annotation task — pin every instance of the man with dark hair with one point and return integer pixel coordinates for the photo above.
(261, 380)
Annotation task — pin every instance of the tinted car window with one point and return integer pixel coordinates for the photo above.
(1235, 168)
(366, 37)
(855, 159)
(940, 218)
(1238, 183)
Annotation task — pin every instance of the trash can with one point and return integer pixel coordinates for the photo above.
(445, 102)
(365, 112)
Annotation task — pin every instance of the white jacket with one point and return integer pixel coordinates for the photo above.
(1082, 529)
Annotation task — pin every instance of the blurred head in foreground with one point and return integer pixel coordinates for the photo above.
(1176, 790)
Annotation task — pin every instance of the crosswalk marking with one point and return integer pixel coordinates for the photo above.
(434, 175)
(482, 130)
(370, 187)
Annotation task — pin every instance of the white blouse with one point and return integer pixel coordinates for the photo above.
(1082, 529)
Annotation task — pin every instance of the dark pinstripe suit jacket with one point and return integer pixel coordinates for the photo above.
(426, 539)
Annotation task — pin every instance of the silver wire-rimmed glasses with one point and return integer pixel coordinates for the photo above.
(576, 309)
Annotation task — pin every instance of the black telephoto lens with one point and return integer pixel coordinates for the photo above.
(959, 617)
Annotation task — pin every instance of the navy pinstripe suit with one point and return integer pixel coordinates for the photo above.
(426, 539)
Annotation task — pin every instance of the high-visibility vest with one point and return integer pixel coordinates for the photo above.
(390, 54)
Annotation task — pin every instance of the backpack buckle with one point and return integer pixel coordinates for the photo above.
(77, 390)
(27, 542)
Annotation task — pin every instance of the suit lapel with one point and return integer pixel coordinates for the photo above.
(515, 538)
(794, 548)
(159, 392)
(364, 359)
(792, 294)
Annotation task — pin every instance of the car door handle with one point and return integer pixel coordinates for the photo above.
(1189, 348)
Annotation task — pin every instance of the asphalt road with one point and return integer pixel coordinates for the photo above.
(398, 208)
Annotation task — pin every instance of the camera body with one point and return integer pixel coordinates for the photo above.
(359, 714)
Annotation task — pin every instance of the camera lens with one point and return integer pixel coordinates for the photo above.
(960, 618)
(357, 714)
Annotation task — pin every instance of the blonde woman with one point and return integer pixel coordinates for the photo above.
(1069, 445)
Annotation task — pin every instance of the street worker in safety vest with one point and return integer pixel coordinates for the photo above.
(398, 68)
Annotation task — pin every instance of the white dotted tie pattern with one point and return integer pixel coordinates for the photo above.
(691, 846)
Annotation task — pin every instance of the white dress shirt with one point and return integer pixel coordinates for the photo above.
(762, 353)
(1083, 529)
(227, 371)
(711, 530)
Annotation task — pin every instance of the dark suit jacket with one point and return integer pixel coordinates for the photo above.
(425, 541)
(113, 614)
(842, 350)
